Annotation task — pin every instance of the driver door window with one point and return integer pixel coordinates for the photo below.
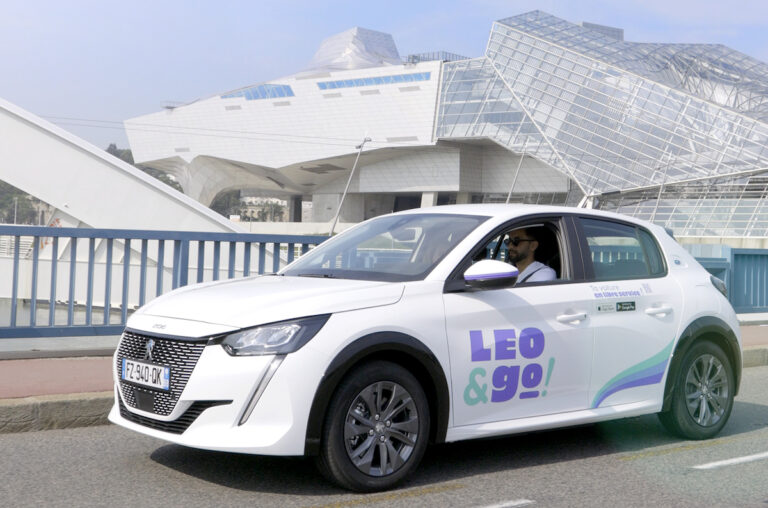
(549, 250)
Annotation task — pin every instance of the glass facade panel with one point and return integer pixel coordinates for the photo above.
(257, 92)
(631, 124)
(377, 80)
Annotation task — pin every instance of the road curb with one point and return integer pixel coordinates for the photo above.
(754, 357)
(34, 354)
(47, 412)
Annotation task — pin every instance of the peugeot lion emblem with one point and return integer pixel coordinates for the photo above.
(149, 347)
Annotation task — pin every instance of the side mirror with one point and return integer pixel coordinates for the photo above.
(491, 274)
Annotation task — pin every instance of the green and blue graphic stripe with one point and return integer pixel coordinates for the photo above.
(648, 372)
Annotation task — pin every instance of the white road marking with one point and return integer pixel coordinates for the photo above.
(731, 462)
(510, 504)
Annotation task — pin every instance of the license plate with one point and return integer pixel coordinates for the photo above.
(146, 374)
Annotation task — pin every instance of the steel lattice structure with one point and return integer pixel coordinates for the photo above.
(673, 133)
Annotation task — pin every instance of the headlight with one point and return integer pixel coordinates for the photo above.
(273, 338)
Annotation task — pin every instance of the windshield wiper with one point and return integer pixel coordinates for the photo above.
(318, 275)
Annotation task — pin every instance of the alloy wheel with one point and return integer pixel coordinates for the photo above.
(381, 428)
(706, 390)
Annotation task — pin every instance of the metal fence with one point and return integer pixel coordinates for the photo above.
(73, 281)
(749, 280)
(744, 271)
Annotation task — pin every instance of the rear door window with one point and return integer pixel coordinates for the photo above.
(621, 251)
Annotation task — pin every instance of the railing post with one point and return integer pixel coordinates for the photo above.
(126, 278)
(232, 253)
(275, 257)
(108, 288)
(246, 259)
(15, 287)
(262, 257)
(180, 263)
(35, 267)
(291, 253)
(160, 267)
(143, 272)
(89, 290)
(200, 261)
(54, 268)
(72, 280)
(216, 259)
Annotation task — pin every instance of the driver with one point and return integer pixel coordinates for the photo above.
(521, 245)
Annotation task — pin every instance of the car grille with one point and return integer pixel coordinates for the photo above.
(181, 356)
(177, 426)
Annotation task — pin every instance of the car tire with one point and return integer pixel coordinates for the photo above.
(376, 428)
(702, 396)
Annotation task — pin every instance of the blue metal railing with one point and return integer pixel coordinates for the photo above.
(748, 288)
(744, 271)
(34, 254)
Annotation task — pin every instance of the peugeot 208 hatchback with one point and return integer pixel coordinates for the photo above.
(413, 328)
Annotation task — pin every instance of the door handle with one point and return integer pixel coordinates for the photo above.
(661, 310)
(574, 318)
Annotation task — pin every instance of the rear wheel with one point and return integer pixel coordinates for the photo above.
(703, 393)
(376, 428)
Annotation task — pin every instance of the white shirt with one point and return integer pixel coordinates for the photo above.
(536, 272)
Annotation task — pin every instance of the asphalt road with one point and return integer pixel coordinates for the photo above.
(631, 462)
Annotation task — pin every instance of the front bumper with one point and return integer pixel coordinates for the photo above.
(210, 411)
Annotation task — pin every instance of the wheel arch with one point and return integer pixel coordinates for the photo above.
(398, 348)
(711, 329)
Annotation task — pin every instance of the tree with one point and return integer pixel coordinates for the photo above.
(18, 205)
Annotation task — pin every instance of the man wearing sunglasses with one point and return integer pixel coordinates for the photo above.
(521, 245)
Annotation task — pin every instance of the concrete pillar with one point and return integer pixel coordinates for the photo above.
(463, 198)
(294, 209)
(428, 199)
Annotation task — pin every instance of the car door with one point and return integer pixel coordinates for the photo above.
(636, 313)
(520, 351)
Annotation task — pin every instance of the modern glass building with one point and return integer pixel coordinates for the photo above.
(554, 112)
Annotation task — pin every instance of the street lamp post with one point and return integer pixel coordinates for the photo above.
(349, 181)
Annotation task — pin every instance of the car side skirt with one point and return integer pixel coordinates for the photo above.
(553, 421)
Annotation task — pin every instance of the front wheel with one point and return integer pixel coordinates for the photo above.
(376, 428)
(703, 393)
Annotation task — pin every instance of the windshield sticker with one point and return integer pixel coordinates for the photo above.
(625, 306)
(523, 379)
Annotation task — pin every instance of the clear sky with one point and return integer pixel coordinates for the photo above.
(87, 65)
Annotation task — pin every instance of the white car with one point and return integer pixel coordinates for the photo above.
(413, 328)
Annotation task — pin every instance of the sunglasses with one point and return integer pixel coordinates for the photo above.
(516, 241)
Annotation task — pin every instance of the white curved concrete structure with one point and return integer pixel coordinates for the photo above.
(89, 187)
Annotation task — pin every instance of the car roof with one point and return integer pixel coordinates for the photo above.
(503, 211)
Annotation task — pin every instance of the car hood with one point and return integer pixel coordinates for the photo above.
(240, 303)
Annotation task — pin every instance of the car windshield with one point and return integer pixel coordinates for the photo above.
(393, 248)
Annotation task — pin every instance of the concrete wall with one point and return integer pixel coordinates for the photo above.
(730, 241)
